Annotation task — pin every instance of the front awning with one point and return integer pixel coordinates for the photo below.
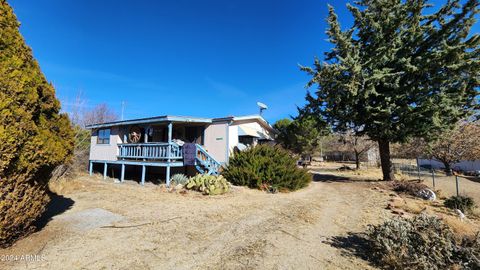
(248, 131)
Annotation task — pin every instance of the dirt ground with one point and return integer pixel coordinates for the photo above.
(97, 224)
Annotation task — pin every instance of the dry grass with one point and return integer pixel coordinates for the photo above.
(244, 229)
(465, 228)
(414, 206)
(408, 205)
(66, 186)
(462, 228)
(362, 174)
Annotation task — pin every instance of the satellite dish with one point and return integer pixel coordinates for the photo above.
(262, 107)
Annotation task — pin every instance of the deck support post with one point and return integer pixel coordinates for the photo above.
(90, 168)
(105, 170)
(143, 174)
(122, 175)
(169, 150)
(168, 175)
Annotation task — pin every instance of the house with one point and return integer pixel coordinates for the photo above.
(177, 143)
(464, 165)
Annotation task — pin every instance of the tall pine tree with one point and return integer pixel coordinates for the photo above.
(34, 136)
(399, 72)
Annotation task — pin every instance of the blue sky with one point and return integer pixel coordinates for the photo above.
(209, 58)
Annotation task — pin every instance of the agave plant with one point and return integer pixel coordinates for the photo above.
(179, 179)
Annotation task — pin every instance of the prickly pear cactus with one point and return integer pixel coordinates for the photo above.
(208, 184)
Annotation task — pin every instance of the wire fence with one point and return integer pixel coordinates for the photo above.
(445, 185)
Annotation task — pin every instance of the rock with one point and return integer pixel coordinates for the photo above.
(460, 214)
(398, 212)
(427, 194)
(390, 206)
(394, 203)
(179, 187)
(89, 219)
(396, 200)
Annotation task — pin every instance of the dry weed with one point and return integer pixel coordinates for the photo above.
(461, 228)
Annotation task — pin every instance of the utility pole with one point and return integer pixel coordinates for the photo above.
(123, 108)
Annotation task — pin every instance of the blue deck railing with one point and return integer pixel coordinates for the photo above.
(150, 151)
(204, 162)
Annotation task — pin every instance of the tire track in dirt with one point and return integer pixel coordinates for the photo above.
(246, 229)
(293, 227)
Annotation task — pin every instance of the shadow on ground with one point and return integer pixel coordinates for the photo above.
(328, 177)
(354, 244)
(472, 178)
(57, 205)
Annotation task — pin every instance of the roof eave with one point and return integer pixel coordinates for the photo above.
(160, 119)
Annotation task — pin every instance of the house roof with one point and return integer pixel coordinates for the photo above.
(254, 117)
(183, 119)
(156, 119)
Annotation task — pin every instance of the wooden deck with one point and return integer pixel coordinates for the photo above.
(158, 155)
(150, 151)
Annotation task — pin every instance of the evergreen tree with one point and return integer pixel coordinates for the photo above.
(302, 135)
(305, 135)
(399, 72)
(34, 136)
(283, 137)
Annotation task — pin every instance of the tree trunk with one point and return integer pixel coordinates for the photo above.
(387, 166)
(357, 160)
(448, 168)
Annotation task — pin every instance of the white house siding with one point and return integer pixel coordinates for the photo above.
(232, 137)
(255, 126)
(462, 165)
(105, 151)
(216, 138)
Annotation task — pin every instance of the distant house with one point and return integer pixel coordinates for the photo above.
(465, 165)
(174, 142)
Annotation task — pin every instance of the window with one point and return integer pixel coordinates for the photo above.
(246, 140)
(103, 136)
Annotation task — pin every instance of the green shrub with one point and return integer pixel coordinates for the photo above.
(464, 203)
(266, 165)
(34, 136)
(179, 179)
(208, 184)
(467, 255)
(423, 242)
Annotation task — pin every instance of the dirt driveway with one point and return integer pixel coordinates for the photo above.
(245, 229)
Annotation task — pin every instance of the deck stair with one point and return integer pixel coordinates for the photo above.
(205, 163)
